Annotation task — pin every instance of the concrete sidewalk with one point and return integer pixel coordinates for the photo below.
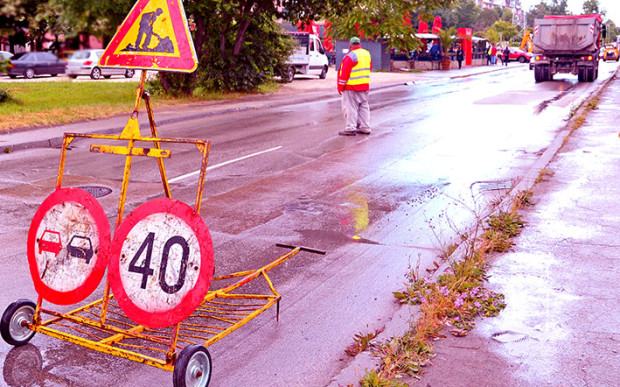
(303, 89)
(561, 326)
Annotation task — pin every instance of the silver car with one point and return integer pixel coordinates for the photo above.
(86, 62)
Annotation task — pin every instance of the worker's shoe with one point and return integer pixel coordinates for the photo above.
(363, 131)
(347, 133)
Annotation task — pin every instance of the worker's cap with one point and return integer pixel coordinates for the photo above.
(355, 40)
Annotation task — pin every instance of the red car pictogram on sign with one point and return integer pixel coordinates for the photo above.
(50, 242)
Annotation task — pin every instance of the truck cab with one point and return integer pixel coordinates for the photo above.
(308, 58)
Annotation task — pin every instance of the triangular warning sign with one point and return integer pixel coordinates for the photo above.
(154, 36)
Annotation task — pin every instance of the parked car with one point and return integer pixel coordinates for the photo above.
(86, 62)
(29, 64)
(519, 55)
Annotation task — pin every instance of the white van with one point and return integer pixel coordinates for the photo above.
(309, 57)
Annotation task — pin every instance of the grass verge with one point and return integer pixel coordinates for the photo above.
(50, 103)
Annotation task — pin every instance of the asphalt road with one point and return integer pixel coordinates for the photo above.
(378, 204)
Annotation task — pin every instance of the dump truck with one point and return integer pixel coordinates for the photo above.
(568, 44)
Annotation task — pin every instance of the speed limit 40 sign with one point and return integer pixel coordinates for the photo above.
(161, 263)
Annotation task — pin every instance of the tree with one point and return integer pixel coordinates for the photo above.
(507, 15)
(612, 31)
(18, 20)
(558, 7)
(593, 7)
(506, 31)
(538, 11)
(377, 19)
(487, 17)
(225, 35)
(446, 38)
(467, 13)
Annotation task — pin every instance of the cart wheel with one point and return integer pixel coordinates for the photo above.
(193, 367)
(15, 318)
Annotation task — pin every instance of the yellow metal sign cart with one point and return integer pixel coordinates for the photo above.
(103, 325)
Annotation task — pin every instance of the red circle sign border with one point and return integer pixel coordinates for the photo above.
(195, 296)
(77, 195)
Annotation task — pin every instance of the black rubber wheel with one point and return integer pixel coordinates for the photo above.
(23, 366)
(591, 74)
(12, 76)
(13, 325)
(107, 76)
(193, 367)
(290, 75)
(521, 59)
(29, 73)
(547, 73)
(129, 73)
(581, 74)
(53, 75)
(538, 74)
(95, 73)
(73, 76)
(323, 73)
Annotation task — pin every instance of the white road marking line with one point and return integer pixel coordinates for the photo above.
(222, 164)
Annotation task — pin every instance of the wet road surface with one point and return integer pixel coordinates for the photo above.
(560, 325)
(283, 175)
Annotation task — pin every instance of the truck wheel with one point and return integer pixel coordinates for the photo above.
(290, 75)
(591, 74)
(538, 74)
(547, 73)
(323, 73)
(581, 74)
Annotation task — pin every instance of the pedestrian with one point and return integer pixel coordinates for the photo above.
(493, 55)
(489, 56)
(506, 55)
(353, 86)
(459, 56)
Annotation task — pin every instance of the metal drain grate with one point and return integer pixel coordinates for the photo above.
(96, 190)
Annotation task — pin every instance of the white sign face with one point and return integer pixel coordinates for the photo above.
(159, 262)
(66, 246)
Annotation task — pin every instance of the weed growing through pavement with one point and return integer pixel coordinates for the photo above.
(543, 175)
(454, 301)
(523, 199)
(361, 342)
